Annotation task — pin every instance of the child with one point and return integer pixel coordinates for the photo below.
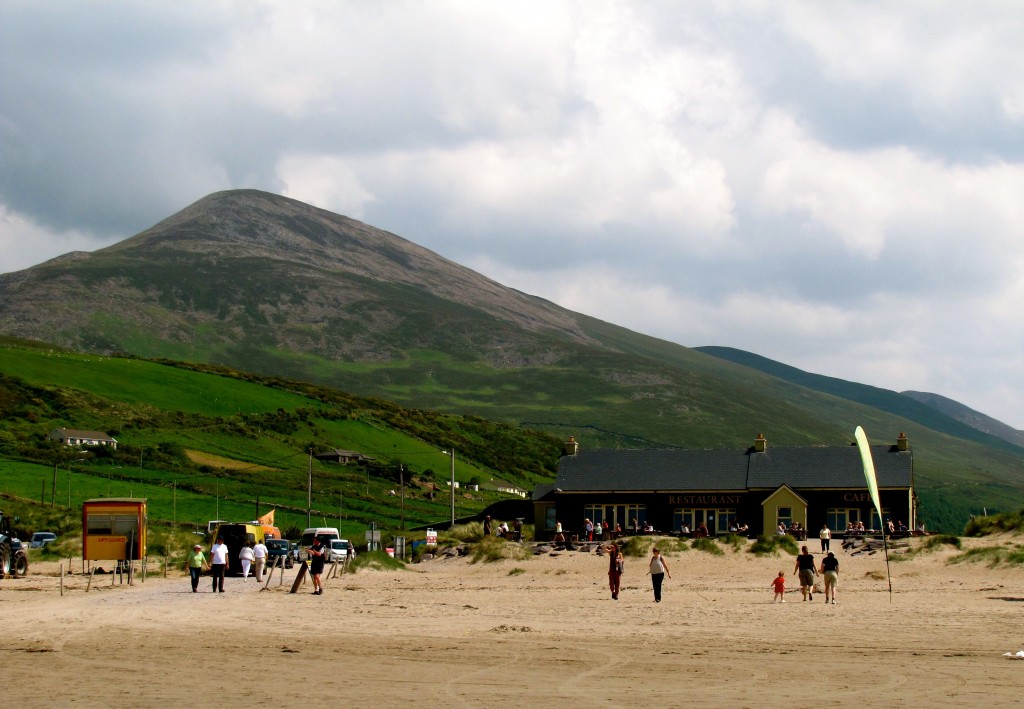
(779, 584)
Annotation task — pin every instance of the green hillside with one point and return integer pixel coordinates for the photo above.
(265, 284)
(219, 444)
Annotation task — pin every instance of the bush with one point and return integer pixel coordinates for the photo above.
(708, 545)
(497, 549)
(994, 555)
(770, 544)
(375, 560)
(635, 546)
(937, 540)
(993, 524)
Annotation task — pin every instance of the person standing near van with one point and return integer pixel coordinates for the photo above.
(218, 563)
(259, 561)
(246, 556)
(316, 565)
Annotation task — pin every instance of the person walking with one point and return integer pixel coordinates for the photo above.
(487, 526)
(658, 570)
(316, 565)
(615, 566)
(830, 570)
(805, 568)
(826, 536)
(246, 556)
(218, 563)
(779, 585)
(196, 562)
(259, 561)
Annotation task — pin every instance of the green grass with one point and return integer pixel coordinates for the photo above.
(772, 544)
(377, 560)
(992, 556)
(157, 411)
(982, 525)
(707, 545)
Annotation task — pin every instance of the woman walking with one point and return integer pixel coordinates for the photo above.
(658, 570)
(614, 570)
(830, 570)
(196, 562)
(245, 556)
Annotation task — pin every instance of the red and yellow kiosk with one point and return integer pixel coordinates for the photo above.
(114, 528)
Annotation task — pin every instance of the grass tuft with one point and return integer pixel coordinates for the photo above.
(771, 544)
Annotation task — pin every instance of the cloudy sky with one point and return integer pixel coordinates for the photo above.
(835, 185)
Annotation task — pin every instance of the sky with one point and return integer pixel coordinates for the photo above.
(838, 186)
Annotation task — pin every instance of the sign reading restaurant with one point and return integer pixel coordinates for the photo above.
(704, 499)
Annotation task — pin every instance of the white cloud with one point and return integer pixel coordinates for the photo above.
(769, 175)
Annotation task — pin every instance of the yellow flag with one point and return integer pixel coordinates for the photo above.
(869, 469)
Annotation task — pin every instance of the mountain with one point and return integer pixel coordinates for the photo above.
(975, 419)
(932, 410)
(266, 284)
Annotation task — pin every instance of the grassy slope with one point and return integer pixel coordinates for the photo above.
(157, 411)
(950, 488)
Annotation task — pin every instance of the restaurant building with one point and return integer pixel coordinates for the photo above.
(761, 487)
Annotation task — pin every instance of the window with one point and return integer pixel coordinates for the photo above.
(550, 518)
(783, 515)
(100, 524)
(840, 518)
(716, 520)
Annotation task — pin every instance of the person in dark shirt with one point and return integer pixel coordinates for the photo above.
(316, 565)
(830, 570)
(805, 568)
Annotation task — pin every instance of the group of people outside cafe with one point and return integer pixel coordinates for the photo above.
(502, 530)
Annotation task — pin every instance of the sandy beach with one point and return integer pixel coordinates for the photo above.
(538, 632)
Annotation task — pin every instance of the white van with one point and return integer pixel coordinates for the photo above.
(324, 534)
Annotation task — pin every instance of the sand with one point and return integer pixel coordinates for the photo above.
(539, 632)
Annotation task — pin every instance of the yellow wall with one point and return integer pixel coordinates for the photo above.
(783, 497)
(109, 526)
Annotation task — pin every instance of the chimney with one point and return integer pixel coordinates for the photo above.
(571, 446)
(760, 443)
(901, 443)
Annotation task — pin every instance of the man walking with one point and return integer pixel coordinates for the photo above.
(259, 560)
(218, 564)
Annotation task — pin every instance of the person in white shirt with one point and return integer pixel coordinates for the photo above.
(246, 556)
(259, 561)
(218, 564)
(825, 535)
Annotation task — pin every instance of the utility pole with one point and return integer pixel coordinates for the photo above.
(401, 482)
(309, 489)
(452, 454)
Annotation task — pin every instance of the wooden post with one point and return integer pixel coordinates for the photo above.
(300, 578)
(88, 583)
(62, 578)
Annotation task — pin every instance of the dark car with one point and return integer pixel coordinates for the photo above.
(278, 548)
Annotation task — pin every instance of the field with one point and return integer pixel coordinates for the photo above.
(203, 445)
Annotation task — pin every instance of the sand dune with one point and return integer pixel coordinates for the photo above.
(540, 632)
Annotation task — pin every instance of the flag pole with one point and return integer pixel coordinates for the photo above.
(872, 481)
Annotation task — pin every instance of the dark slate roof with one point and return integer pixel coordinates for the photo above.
(828, 467)
(652, 469)
(687, 470)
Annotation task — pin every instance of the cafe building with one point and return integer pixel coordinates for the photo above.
(761, 487)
